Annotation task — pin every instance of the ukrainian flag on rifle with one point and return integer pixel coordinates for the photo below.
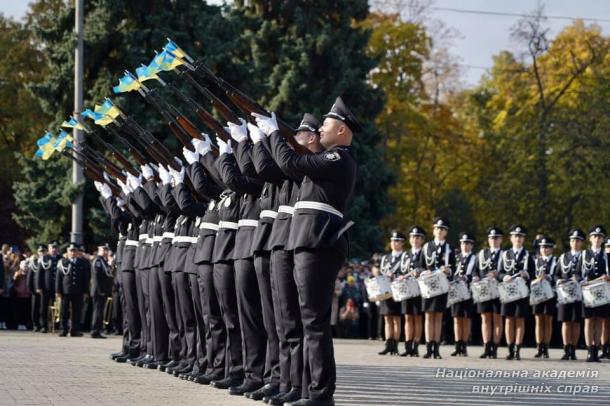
(64, 140)
(73, 123)
(45, 146)
(127, 84)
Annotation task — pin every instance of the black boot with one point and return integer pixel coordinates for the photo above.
(415, 350)
(394, 347)
(408, 348)
(494, 350)
(464, 349)
(458, 349)
(596, 354)
(573, 352)
(511, 351)
(486, 351)
(606, 351)
(388, 347)
(545, 353)
(437, 354)
(428, 350)
(517, 354)
(590, 353)
(566, 353)
(540, 351)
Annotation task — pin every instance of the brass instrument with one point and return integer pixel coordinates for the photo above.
(54, 313)
(108, 312)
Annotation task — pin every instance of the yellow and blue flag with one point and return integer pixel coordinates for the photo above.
(45, 146)
(73, 123)
(99, 118)
(108, 109)
(127, 84)
(175, 49)
(165, 61)
(63, 141)
(146, 73)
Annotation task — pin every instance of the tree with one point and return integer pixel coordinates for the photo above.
(302, 56)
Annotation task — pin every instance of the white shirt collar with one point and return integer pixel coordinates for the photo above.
(438, 242)
(396, 253)
(415, 250)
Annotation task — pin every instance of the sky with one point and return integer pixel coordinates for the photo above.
(480, 36)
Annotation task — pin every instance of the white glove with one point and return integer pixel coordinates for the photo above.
(204, 146)
(147, 171)
(166, 178)
(134, 182)
(239, 132)
(120, 202)
(190, 156)
(256, 135)
(106, 177)
(507, 278)
(178, 176)
(105, 191)
(224, 147)
(98, 186)
(124, 187)
(267, 125)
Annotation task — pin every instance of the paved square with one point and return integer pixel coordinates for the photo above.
(37, 369)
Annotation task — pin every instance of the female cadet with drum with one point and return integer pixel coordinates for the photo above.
(605, 340)
(462, 311)
(570, 314)
(545, 265)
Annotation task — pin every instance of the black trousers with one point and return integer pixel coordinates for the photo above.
(215, 332)
(158, 325)
(122, 322)
(46, 297)
(182, 292)
(224, 283)
(71, 308)
(250, 320)
(315, 271)
(143, 296)
(117, 306)
(97, 320)
(169, 311)
(201, 361)
(132, 313)
(288, 318)
(262, 266)
(35, 310)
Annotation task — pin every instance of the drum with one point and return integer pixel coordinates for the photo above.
(513, 290)
(596, 294)
(540, 291)
(403, 289)
(458, 292)
(378, 288)
(568, 292)
(433, 284)
(484, 290)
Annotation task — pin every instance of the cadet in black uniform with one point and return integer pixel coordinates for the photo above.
(594, 266)
(488, 261)
(515, 262)
(389, 308)
(570, 314)
(545, 266)
(73, 274)
(101, 289)
(605, 340)
(48, 264)
(318, 237)
(35, 281)
(438, 257)
(462, 311)
(412, 265)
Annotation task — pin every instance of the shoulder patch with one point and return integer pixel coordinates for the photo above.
(332, 156)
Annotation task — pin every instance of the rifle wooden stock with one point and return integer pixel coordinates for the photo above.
(177, 131)
(117, 154)
(224, 110)
(189, 127)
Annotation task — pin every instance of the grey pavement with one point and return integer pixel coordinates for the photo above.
(37, 369)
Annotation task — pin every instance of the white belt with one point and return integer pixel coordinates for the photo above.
(247, 223)
(228, 224)
(318, 206)
(142, 237)
(168, 235)
(157, 238)
(133, 243)
(185, 238)
(208, 226)
(268, 213)
(286, 209)
(149, 241)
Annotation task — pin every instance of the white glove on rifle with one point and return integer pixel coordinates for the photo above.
(190, 156)
(120, 202)
(239, 132)
(267, 125)
(256, 134)
(133, 181)
(124, 187)
(166, 178)
(224, 147)
(147, 171)
(98, 186)
(105, 191)
(177, 176)
(202, 146)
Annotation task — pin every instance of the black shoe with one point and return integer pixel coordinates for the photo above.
(123, 359)
(606, 351)
(154, 364)
(292, 396)
(566, 353)
(246, 386)
(436, 348)
(464, 349)
(408, 348)
(176, 367)
(44, 330)
(311, 402)
(227, 382)
(415, 350)
(135, 358)
(142, 357)
(115, 355)
(428, 350)
(76, 334)
(596, 354)
(494, 350)
(573, 352)
(458, 349)
(277, 399)
(147, 359)
(63, 334)
(389, 347)
(517, 353)
(206, 379)
(545, 351)
(511, 351)
(169, 364)
(540, 348)
(97, 335)
(270, 389)
(486, 351)
(36, 329)
(592, 354)
(188, 368)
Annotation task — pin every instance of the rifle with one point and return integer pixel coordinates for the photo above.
(93, 172)
(92, 155)
(135, 153)
(120, 157)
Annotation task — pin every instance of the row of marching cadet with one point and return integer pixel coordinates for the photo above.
(504, 286)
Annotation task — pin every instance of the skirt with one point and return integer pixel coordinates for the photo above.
(435, 304)
(390, 308)
(490, 306)
(518, 308)
(599, 311)
(462, 309)
(570, 312)
(412, 306)
(547, 307)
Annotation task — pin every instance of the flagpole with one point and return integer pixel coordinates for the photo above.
(76, 234)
